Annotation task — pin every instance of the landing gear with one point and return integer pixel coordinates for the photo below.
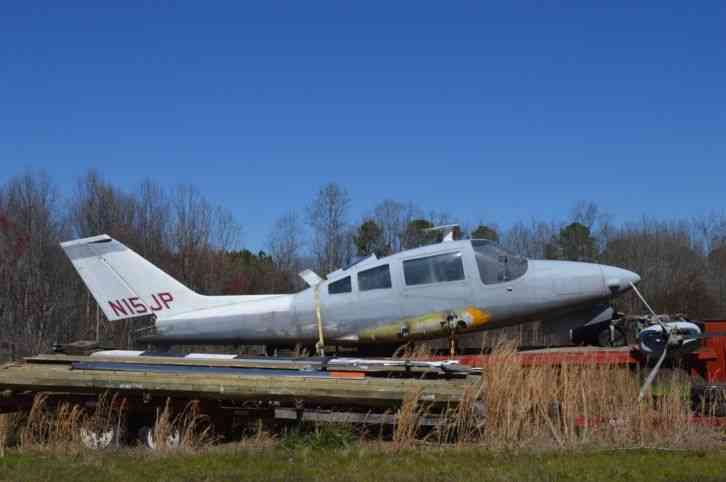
(453, 346)
(612, 336)
(605, 334)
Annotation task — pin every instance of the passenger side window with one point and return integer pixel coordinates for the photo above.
(341, 286)
(434, 269)
(375, 278)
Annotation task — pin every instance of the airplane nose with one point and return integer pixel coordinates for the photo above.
(618, 280)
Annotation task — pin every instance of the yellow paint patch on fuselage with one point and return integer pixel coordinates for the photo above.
(476, 317)
(430, 325)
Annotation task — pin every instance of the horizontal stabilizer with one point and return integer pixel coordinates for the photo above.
(311, 277)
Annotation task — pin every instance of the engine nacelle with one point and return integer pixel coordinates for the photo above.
(684, 338)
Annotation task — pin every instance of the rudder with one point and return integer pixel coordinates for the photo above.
(124, 284)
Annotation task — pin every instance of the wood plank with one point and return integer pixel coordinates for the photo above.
(359, 392)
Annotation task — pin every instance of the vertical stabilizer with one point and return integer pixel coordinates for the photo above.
(124, 284)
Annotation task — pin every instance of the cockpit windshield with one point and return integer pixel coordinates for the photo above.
(496, 264)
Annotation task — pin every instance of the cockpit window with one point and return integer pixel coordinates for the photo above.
(497, 265)
(434, 269)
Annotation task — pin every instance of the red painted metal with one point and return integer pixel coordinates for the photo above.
(556, 356)
(715, 366)
(709, 362)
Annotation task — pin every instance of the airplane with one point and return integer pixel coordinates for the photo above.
(440, 290)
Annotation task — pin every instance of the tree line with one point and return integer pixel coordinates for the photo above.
(43, 301)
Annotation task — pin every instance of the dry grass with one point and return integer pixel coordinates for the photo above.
(50, 429)
(464, 423)
(567, 406)
(572, 406)
(8, 429)
(188, 429)
(58, 428)
(109, 412)
(408, 421)
(259, 437)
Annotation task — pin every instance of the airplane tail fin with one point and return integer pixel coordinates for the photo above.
(124, 284)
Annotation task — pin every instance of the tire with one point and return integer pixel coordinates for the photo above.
(100, 438)
(148, 439)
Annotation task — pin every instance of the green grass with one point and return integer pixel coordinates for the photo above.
(365, 463)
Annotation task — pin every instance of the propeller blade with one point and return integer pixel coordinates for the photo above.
(637, 292)
(651, 376)
(666, 332)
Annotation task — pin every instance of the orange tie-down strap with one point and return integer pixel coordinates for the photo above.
(355, 375)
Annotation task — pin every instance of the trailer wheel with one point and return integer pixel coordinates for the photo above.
(100, 438)
(172, 440)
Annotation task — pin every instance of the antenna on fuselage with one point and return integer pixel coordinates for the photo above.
(448, 229)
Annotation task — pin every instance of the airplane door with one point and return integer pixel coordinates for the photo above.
(434, 283)
(337, 300)
(378, 299)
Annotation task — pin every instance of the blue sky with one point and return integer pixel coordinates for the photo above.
(495, 111)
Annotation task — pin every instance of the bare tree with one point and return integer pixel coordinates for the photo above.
(585, 213)
(530, 240)
(42, 300)
(100, 208)
(393, 218)
(33, 291)
(226, 231)
(717, 268)
(191, 234)
(666, 256)
(152, 220)
(600, 223)
(285, 243)
(327, 215)
(711, 231)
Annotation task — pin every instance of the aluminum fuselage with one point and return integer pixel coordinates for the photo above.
(545, 292)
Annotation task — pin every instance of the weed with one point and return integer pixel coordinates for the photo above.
(189, 429)
(322, 437)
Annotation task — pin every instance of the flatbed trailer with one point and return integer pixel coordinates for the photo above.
(228, 390)
(228, 387)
